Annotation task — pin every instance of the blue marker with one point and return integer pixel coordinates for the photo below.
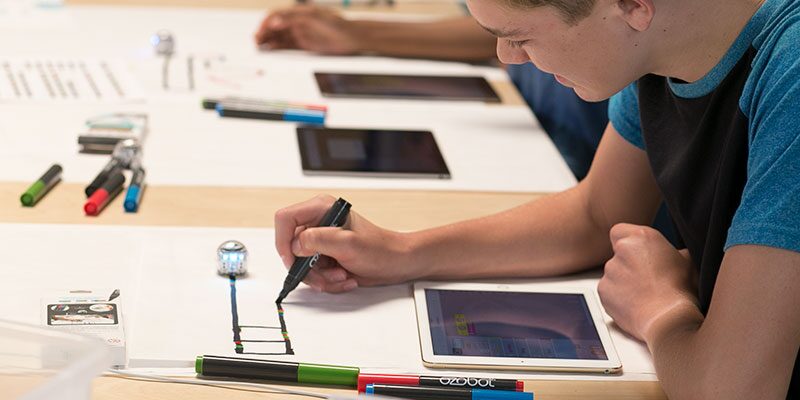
(271, 113)
(444, 393)
(134, 194)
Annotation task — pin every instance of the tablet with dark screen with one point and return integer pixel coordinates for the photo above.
(370, 152)
(474, 88)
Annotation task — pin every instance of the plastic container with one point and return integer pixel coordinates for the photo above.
(37, 363)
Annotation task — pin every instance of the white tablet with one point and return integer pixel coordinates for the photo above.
(526, 327)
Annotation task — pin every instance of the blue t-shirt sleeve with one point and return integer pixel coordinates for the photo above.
(623, 113)
(769, 212)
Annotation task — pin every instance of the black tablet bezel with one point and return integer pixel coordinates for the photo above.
(334, 167)
(327, 88)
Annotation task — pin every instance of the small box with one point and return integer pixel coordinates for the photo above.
(95, 313)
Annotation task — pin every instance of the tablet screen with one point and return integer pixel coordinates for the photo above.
(512, 324)
(407, 86)
(370, 152)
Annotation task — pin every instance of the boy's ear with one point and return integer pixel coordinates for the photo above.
(638, 14)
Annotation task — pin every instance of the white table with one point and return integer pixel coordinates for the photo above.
(488, 147)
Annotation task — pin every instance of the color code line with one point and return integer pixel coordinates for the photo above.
(237, 329)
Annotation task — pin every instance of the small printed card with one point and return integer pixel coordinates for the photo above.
(89, 312)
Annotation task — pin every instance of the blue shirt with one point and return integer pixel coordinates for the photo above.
(769, 99)
(725, 150)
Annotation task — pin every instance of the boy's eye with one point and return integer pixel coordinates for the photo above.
(516, 43)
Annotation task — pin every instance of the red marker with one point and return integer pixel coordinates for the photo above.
(102, 196)
(439, 381)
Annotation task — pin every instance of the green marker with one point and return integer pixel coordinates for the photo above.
(248, 368)
(39, 188)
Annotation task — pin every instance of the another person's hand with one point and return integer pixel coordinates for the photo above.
(361, 254)
(308, 27)
(646, 280)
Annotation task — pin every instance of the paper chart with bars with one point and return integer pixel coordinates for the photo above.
(26, 80)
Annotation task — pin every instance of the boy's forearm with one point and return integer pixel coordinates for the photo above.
(746, 345)
(551, 236)
(671, 342)
(559, 234)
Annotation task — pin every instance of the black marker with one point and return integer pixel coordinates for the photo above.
(444, 393)
(269, 112)
(335, 217)
(101, 178)
(284, 371)
(439, 381)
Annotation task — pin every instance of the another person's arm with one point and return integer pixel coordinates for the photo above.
(559, 234)
(323, 31)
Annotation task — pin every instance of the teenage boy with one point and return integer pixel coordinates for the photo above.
(704, 117)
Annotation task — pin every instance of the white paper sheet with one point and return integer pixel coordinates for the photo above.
(66, 80)
(176, 307)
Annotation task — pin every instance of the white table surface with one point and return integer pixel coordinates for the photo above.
(488, 147)
(176, 307)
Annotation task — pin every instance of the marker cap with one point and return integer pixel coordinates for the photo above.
(327, 374)
(132, 199)
(43, 185)
(101, 197)
(30, 196)
(483, 394)
(96, 202)
(198, 365)
(307, 118)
